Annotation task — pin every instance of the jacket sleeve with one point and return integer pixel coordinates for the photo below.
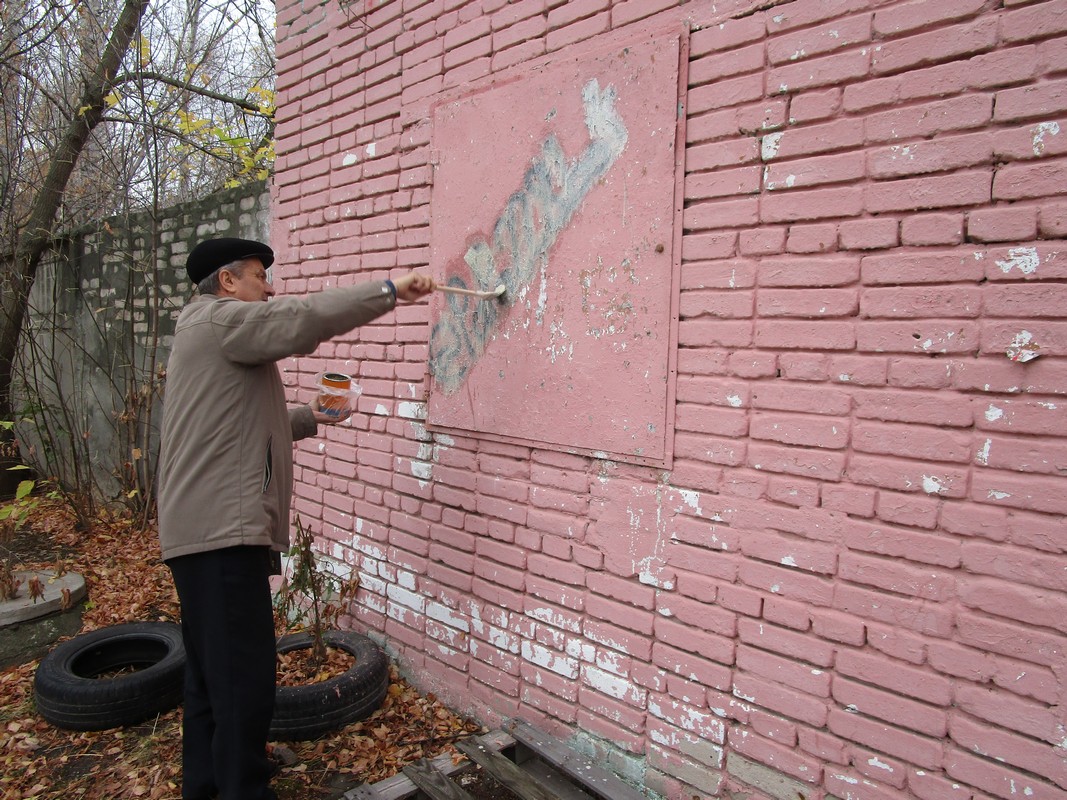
(257, 333)
(302, 421)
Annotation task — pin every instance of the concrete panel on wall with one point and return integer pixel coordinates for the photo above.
(562, 185)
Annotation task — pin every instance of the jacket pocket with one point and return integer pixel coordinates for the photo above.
(268, 466)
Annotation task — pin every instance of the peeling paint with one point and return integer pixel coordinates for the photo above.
(993, 413)
(1024, 259)
(770, 146)
(933, 484)
(1040, 131)
(982, 456)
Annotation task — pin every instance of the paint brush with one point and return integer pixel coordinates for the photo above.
(497, 292)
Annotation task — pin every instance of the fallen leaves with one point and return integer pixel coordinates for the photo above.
(126, 582)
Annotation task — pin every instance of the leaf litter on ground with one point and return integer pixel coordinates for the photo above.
(127, 582)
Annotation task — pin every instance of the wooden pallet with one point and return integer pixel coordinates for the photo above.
(532, 765)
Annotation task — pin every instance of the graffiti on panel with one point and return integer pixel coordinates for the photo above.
(553, 189)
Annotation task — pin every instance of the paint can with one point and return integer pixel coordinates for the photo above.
(335, 391)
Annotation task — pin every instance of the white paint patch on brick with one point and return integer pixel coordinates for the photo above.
(733, 400)
(1040, 131)
(446, 616)
(770, 145)
(349, 159)
(403, 597)
(1024, 259)
(614, 686)
(992, 414)
(933, 485)
(554, 619)
(409, 410)
(371, 149)
(788, 561)
(549, 659)
(874, 762)
(982, 457)
(995, 495)
(381, 410)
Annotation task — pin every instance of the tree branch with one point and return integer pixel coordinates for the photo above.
(130, 77)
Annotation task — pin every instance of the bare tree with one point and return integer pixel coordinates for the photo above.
(115, 106)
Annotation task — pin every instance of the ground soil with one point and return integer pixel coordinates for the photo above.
(127, 582)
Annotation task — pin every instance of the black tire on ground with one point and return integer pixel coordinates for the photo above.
(307, 712)
(71, 694)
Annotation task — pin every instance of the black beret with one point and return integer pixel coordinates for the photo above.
(211, 254)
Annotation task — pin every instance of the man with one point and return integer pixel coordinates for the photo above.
(225, 479)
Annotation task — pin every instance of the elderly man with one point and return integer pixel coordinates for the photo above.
(225, 479)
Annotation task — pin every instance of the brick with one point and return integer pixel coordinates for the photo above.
(832, 70)
(812, 139)
(785, 672)
(918, 750)
(912, 441)
(1016, 223)
(921, 302)
(956, 189)
(1028, 605)
(728, 36)
(1010, 639)
(926, 120)
(807, 303)
(851, 500)
(803, 367)
(1036, 22)
(943, 44)
(726, 93)
(715, 67)
(1021, 416)
(926, 336)
(723, 183)
(932, 229)
(815, 271)
(997, 776)
(876, 606)
(907, 17)
(716, 215)
(941, 155)
(823, 335)
(804, 44)
(1031, 261)
(820, 238)
(814, 171)
(821, 465)
(780, 758)
(868, 234)
(941, 267)
(1004, 710)
(1026, 181)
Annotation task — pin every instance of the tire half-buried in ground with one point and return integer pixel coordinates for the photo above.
(308, 711)
(112, 677)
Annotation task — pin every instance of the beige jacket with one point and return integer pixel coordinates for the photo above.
(226, 456)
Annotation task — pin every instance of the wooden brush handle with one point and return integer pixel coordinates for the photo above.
(471, 292)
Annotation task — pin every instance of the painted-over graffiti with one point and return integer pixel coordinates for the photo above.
(552, 191)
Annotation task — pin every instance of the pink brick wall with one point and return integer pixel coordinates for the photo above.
(853, 581)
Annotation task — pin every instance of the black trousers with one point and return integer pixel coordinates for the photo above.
(228, 629)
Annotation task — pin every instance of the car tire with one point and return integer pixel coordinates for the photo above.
(307, 712)
(73, 690)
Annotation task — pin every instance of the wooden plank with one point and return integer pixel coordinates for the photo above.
(554, 780)
(597, 780)
(400, 786)
(433, 783)
(505, 771)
